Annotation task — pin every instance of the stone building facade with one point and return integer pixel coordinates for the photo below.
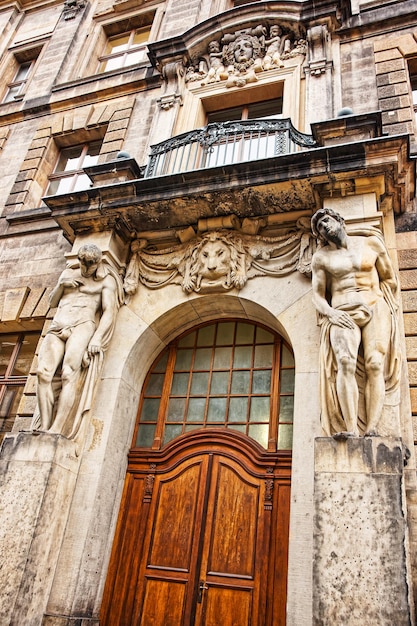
(193, 480)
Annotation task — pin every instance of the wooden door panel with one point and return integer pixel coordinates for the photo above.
(234, 525)
(170, 552)
(203, 517)
(227, 607)
(175, 519)
(163, 603)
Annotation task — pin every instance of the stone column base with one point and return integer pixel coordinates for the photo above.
(360, 570)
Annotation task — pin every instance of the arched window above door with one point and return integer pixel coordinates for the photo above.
(230, 374)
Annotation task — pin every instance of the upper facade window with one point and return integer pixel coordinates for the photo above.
(124, 49)
(16, 87)
(16, 356)
(68, 175)
(21, 67)
(269, 109)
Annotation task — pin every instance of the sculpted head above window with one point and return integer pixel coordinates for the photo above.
(215, 262)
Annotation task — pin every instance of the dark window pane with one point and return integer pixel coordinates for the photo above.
(259, 410)
(222, 358)
(287, 358)
(261, 382)
(176, 409)
(183, 360)
(245, 333)
(196, 409)
(155, 383)
(199, 384)
(202, 358)
(206, 335)
(179, 384)
(286, 408)
(150, 408)
(172, 431)
(7, 345)
(146, 434)
(219, 383)
(240, 382)
(238, 409)
(287, 381)
(243, 357)
(225, 334)
(285, 437)
(216, 410)
(263, 356)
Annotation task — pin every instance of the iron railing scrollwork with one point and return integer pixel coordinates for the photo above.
(224, 143)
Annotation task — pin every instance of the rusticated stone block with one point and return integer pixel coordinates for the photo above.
(410, 323)
(408, 279)
(409, 301)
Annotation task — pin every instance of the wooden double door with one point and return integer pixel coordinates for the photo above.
(202, 537)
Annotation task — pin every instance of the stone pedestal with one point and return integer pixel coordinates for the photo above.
(37, 478)
(360, 570)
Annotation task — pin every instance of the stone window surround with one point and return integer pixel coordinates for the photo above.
(393, 84)
(16, 57)
(107, 122)
(283, 82)
(108, 26)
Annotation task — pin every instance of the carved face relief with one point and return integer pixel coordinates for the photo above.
(214, 260)
(243, 50)
(88, 267)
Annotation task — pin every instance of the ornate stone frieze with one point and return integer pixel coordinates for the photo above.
(238, 57)
(220, 260)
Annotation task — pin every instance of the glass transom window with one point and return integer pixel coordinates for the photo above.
(234, 375)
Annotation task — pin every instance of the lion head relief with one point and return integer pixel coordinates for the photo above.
(217, 260)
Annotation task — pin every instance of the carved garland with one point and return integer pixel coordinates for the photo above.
(220, 260)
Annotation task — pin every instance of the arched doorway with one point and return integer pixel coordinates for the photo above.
(202, 537)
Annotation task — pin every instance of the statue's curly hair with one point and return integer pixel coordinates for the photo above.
(318, 215)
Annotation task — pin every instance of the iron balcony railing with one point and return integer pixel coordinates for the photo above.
(225, 143)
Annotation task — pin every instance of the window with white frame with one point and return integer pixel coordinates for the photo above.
(18, 84)
(19, 71)
(68, 174)
(124, 49)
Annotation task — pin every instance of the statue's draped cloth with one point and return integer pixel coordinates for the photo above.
(331, 414)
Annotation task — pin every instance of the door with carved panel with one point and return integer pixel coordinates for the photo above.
(202, 536)
(204, 540)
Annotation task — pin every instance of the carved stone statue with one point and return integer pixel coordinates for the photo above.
(88, 295)
(355, 292)
(220, 260)
(217, 70)
(275, 46)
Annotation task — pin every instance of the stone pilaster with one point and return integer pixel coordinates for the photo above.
(37, 479)
(360, 570)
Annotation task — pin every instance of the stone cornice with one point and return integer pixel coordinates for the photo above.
(279, 185)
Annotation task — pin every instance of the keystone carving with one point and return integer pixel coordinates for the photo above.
(238, 57)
